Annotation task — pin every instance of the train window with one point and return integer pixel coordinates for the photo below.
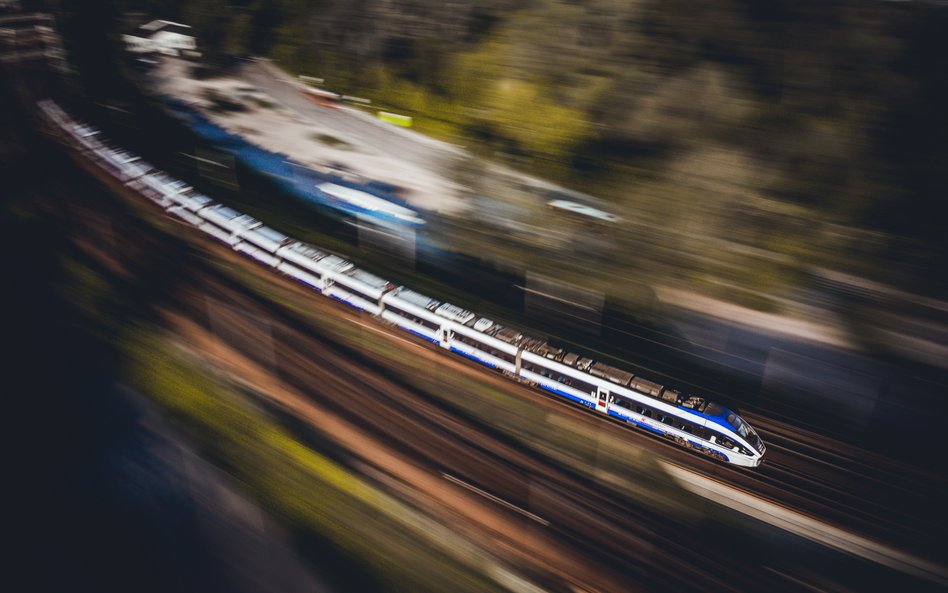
(639, 409)
(584, 386)
(647, 414)
(485, 348)
(688, 429)
(492, 352)
(534, 368)
(360, 294)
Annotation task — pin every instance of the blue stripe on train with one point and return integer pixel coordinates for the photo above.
(419, 334)
(569, 396)
(477, 358)
(350, 303)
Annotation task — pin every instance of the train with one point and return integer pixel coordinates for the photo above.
(688, 420)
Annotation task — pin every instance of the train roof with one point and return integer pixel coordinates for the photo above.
(200, 200)
(226, 212)
(123, 155)
(417, 299)
(86, 130)
(368, 279)
(272, 234)
(306, 250)
(177, 184)
(246, 220)
(509, 335)
(337, 263)
(611, 373)
(483, 324)
(455, 313)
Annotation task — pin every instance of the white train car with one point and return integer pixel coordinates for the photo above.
(86, 136)
(223, 220)
(265, 238)
(481, 347)
(122, 164)
(359, 288)
(302, 261)
(413, 312)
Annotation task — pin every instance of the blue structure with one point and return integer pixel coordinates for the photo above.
(373, 200)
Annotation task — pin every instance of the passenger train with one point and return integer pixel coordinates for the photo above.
(688, 420)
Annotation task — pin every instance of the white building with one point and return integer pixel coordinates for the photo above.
(165, 37)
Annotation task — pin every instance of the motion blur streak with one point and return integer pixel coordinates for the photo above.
(804, 526)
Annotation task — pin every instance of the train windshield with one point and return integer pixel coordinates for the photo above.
(743, 429)
(739, 425)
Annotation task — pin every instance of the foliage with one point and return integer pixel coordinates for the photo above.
(837, 105)
(318, 496)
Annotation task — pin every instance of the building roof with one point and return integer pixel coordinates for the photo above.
(368, 202)
(582, 209)
(148, 30)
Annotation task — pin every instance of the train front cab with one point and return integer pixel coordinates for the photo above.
(717, 438)
(741, 436)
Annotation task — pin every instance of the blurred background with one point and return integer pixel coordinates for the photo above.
(737, 199)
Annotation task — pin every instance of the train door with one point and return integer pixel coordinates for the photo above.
(444, 337)
(602, 400)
